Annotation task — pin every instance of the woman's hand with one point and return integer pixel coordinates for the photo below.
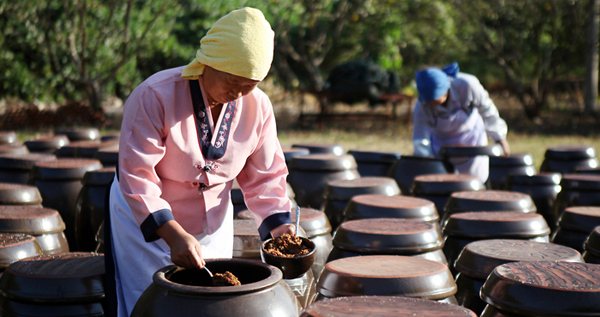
(283, 229)
(185, 249)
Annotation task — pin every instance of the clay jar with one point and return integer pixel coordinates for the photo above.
(360, 306)
(48, 144)
(80, 134)
(592, 247)
(567, 159)
(478, 259)
(408, 167)
(464, 228)
(45, 224)
(501, 167)
(262, 293)
(575, 225)
(392, 236)
(59, 183)
(309, 175)
(542, 188)
(19, 194)
(295, 151)
(543, 288)
(339, 192)
(66, 284)
(13, 148)
(108, 156)
(90, 206)
(386, 275)
(17, 246)
(72, 149)
(577, 190)
(321, 148)
(8, 137)
(374, 163)
(15, 168)
(438, 187)
(381, 206)
(488, 200)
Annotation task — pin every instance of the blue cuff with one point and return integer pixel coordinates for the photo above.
(153, 221)
(272, 222)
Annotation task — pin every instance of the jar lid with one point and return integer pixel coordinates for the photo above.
(321, 148)
(514, 159)
(30, 220)
(295, 151)
(17, 246)
(47, 143)
(536, 179)
(489, 200)
(108, 156)
(468, 150)
(580, 181)
(8, 137)
(15, 149)
(592, 244)
(374, 156)
(110, 136)
(71, 149)
(567, 288)
(386, 275)
(23, 161)
(580, 218)
(445, 184)
(66, 278)
(64, 168)
(323, 162)
(382, 206)
(19, 194)
(588, 170)
(344, 189)
(570, 152)
(90, 148)
(80, 134)
(359, 306)
(479, 258)
(388, 236)
(99, 177)
(496, 224)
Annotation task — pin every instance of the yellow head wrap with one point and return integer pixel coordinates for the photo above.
(240, 43)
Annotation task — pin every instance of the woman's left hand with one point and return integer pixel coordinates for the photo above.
(283, 229)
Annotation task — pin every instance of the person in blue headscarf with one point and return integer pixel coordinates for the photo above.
(454, 109)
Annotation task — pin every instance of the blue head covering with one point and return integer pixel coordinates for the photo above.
(433, 83)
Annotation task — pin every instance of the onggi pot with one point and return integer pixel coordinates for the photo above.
(262, 293)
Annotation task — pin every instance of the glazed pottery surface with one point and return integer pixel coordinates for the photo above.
(381, 206)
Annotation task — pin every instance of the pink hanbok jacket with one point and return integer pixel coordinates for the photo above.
(164, 174)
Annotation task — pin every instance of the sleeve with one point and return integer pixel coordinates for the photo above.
(263, 178)
(421, 132)
(140, 149)
(495, 127)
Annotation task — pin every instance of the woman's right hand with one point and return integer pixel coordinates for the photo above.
(185, 249)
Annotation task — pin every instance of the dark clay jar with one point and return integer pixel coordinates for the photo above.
(339, 192)
(19, 194)
(386, 275)
(575, 225)
(48, 144)
(391, 236)
(544, 288)
(438, 187)
(80, 134)
(108, 156)
(72, 149)
(59, 183)
(501, 167)
(408, 167)
(17, 246)
(90, 205)
(309, 175)
(262, 293)
(45, 224)
(488, 200)
(382, 206)
(542, 188)
(8, 137)
(464, 228)
(374, 163)
(321, 148)
(295, 151)
(592, 247)
(576, 190)
(588, 170)
(478, 259)
(567, 159)
(360, 306)
(66, 284)
(16, 168)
